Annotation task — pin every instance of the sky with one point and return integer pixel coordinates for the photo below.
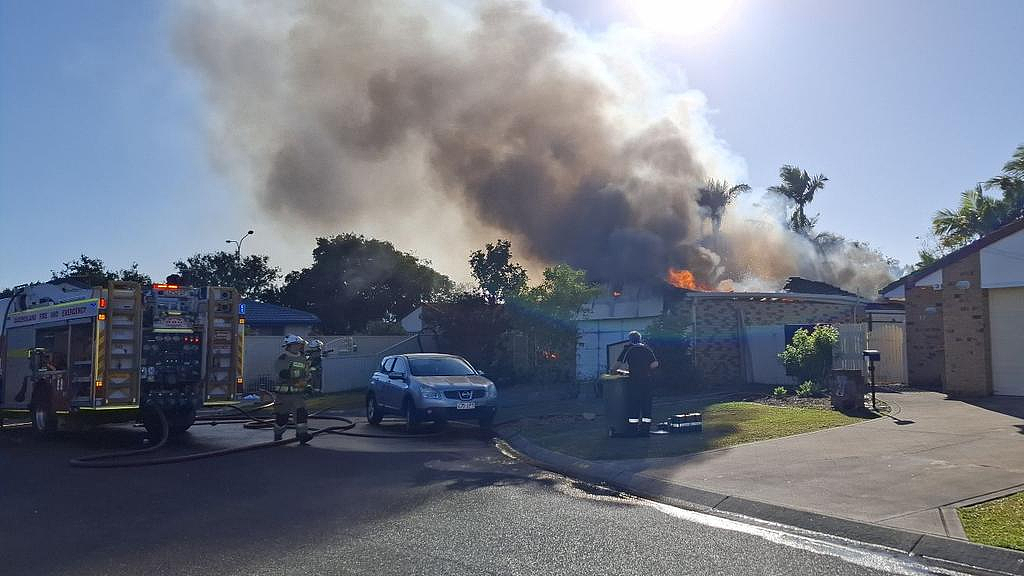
(902, 105)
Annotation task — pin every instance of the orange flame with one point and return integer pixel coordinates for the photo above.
(684, 279)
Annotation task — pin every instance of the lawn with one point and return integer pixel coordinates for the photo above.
(996, 523)
(350, 400)
(725, 424)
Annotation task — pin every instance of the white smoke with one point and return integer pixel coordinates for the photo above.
(442, 125)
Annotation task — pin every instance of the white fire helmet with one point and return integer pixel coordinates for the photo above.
(315, 344)
(293, 339)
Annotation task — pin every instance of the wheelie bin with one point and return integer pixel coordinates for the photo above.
(618, 405)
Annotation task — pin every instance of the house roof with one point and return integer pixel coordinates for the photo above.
(263, 314)
(805, 286)
(990, 238)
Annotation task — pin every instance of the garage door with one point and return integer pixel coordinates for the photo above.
(1006, 317)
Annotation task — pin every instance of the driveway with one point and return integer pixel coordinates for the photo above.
(905, 470)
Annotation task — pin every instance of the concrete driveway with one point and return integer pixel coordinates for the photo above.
(907, 470)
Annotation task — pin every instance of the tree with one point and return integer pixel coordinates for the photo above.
(976, 216)
(714, 196)
(252, 276)
(355, 279)
(93, 272)
(548, 314)
(809, 356)
(1011, 184)
(498, 277)
(799, 187)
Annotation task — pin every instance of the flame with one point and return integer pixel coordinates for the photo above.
(684, 279)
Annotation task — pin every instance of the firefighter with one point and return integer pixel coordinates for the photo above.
(315, 352)
(641, 362)
(292, 369)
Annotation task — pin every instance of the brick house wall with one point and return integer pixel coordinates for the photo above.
(718, 356)
(968, 366)
(926, 362)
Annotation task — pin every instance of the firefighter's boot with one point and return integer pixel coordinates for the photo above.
(301, 432)
(280, 425)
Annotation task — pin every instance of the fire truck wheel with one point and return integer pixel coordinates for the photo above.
(154, 427)
(181, 422)
(44, 419)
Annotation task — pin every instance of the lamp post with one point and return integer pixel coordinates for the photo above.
(238, 244)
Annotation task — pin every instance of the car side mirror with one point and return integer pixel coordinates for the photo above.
(480, 372)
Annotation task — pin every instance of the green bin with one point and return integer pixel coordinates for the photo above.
(617, 405)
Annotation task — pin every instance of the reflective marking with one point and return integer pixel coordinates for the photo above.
(893, 562)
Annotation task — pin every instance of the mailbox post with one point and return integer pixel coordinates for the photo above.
(872, 356)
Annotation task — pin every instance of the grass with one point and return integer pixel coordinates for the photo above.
(996, 523)
(725, 424)
(349, 400)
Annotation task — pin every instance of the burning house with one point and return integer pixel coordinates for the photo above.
(734, 337)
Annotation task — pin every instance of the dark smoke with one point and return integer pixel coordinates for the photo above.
(503, 112)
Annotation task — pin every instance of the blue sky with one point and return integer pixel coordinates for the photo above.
(901, 104)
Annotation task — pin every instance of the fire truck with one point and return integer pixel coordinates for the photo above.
(72, 357)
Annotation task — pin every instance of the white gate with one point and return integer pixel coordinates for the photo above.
(849, 351)
(888, 338)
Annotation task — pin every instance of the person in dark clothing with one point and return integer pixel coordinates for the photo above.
(641, 362)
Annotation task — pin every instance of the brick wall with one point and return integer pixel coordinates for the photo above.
(718, 356)
(966, 330)
(925, 338)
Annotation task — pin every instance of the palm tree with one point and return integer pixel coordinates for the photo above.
(799, 187)
(976, 216)
(1011, 183)
(714, 196)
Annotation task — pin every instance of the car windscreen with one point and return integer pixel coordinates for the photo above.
(439, 367)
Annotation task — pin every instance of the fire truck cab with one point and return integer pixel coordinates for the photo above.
(73, 356)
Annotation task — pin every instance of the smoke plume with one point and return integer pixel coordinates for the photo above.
(499, 118)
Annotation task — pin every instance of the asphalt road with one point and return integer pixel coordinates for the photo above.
(449, 504)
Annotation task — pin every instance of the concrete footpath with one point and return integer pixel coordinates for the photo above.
(894, 481)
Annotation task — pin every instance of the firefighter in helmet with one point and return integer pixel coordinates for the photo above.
(315, 352)
(292, 368)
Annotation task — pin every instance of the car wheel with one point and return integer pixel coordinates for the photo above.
(44, 419)
(412, 418)
(487, 422)
(373, 414)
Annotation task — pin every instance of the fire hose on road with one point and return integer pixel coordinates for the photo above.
(247, 419)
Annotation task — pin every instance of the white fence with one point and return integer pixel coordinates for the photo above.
(342, 370)
(762, 345)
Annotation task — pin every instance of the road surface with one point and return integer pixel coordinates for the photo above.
(449, 504)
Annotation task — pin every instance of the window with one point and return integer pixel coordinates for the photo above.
(385, 365)
(54, 342)
(400, 366)
(441, 367)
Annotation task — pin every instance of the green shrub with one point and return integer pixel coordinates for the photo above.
(809, 355)
(810, 390)
(780, 392)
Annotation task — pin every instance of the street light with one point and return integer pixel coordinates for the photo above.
(238, 243)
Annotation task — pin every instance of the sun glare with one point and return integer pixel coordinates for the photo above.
(681, 18)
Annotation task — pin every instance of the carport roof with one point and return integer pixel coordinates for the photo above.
(263, 314)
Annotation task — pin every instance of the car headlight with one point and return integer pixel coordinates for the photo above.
(492, 391)
(429, 393)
